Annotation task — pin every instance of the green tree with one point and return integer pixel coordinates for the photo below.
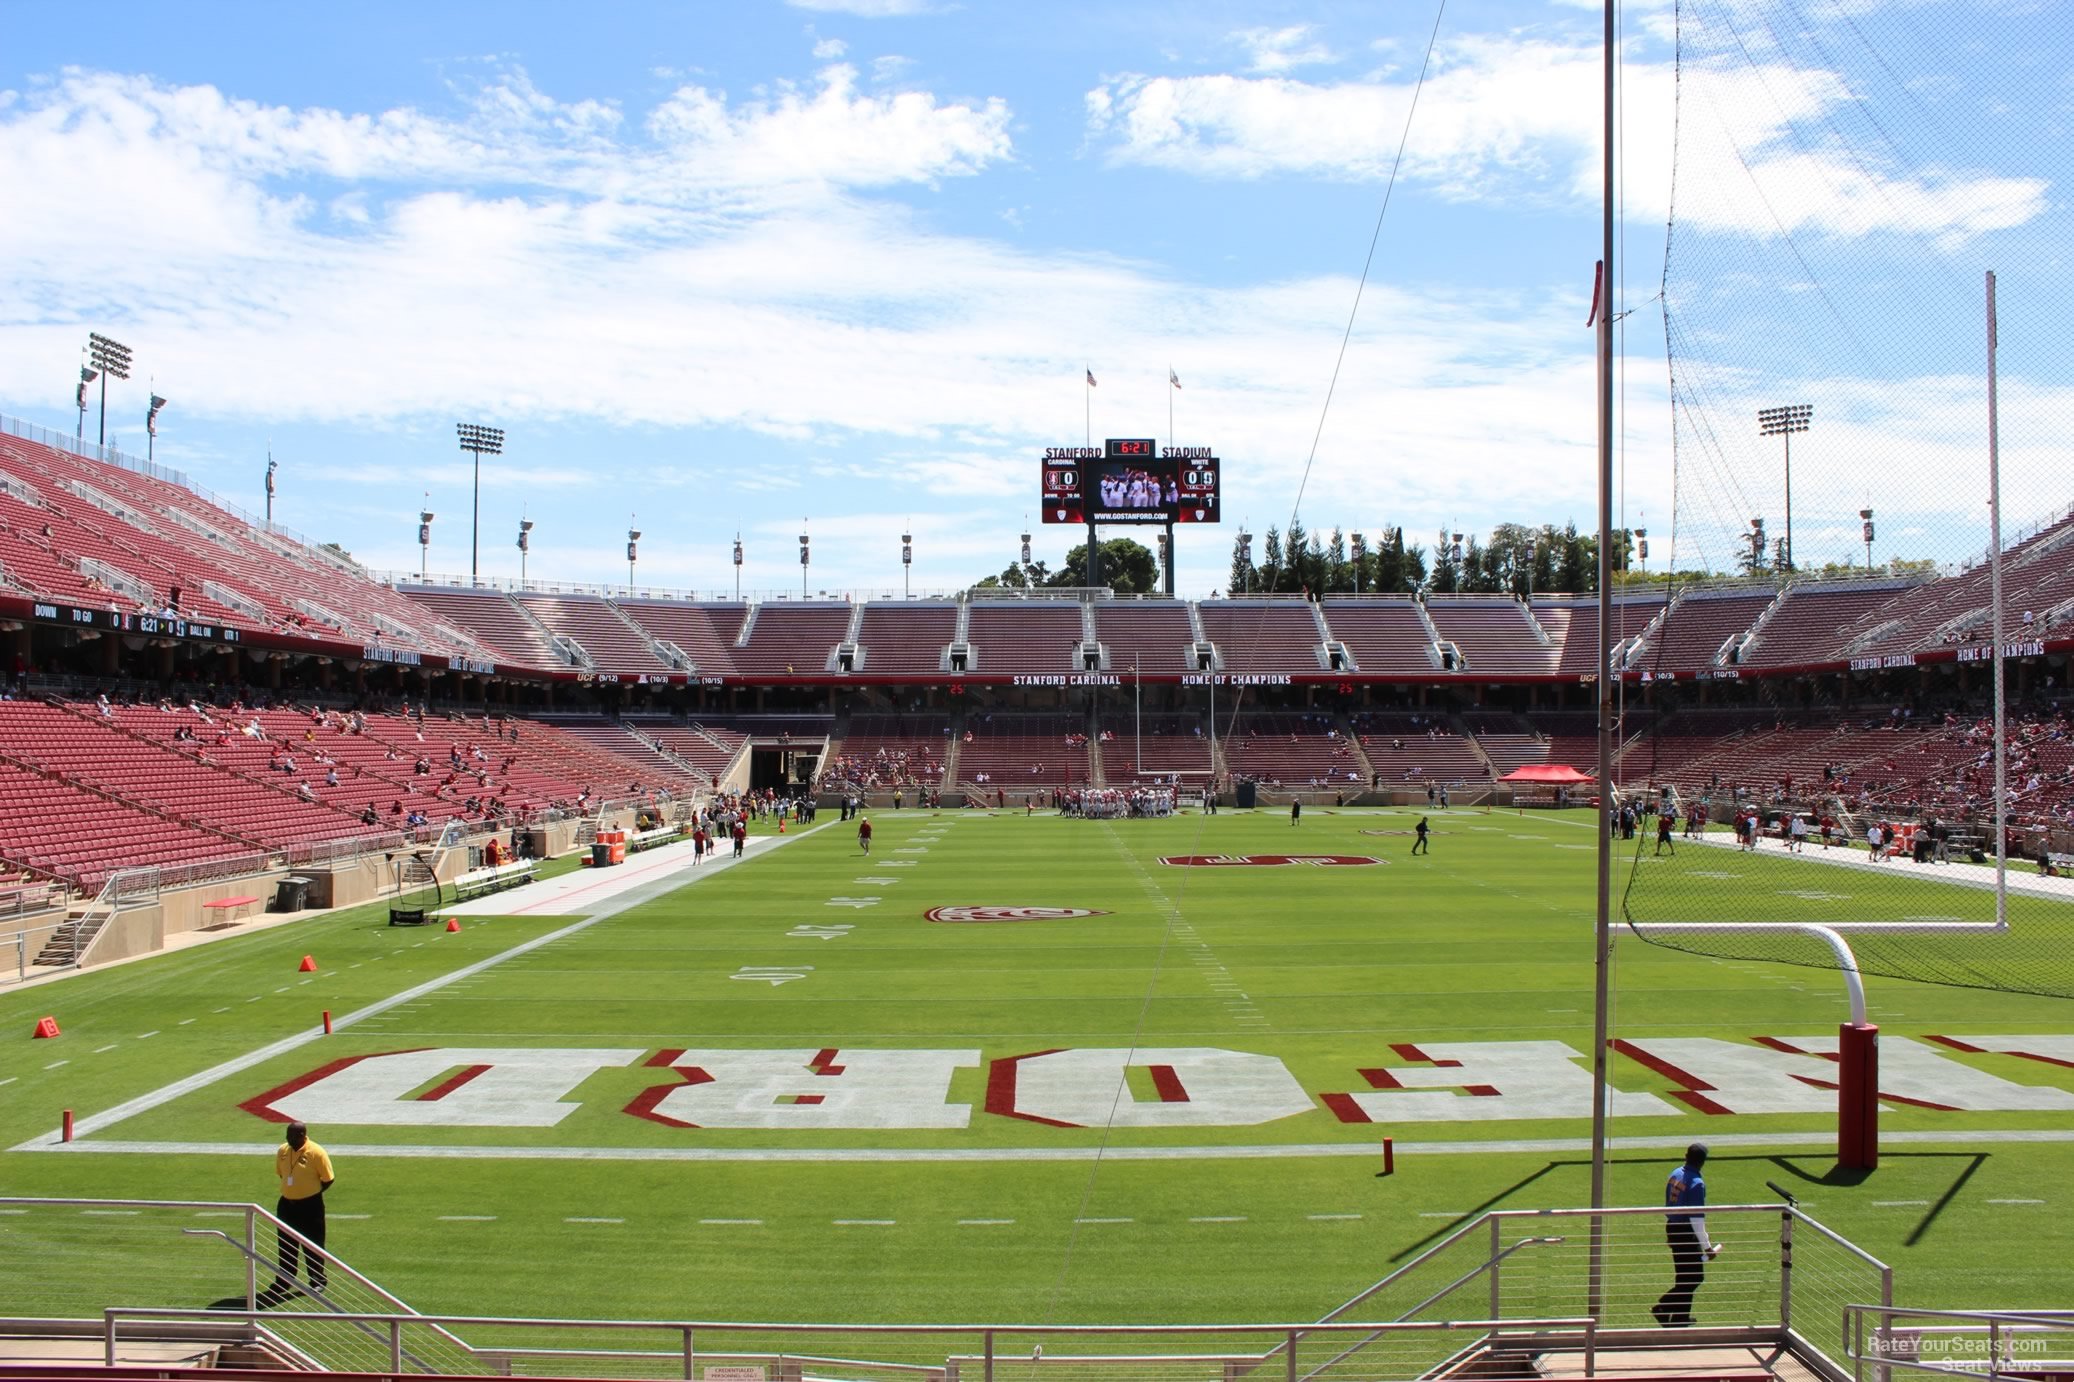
(1271, 573)
(1243, 574)
(1128, 567)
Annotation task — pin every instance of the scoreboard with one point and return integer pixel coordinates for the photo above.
(1130, 480)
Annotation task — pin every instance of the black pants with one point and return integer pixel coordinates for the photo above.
(1688, 1270)
(306, 1217)
(1418, 846)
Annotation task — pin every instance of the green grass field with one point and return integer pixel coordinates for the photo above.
(1323, 969)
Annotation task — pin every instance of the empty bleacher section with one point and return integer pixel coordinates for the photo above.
(1035, 637)
(1148, 635)
(1704, 628)
(1809, 624)
(1149, 747)
(494, 620)
(1492, 634)
(1632, 616)
(709, 749)
(642, 742)
(115, 538)
(705, 633)
(905, 639)
(882, 752)
(787, 640)
(1385, 635)
(82, 836)
(1016, 753)
(1506, 740)
(1263, 636)
(1291, 750)
(1417, 749)
(611, 643)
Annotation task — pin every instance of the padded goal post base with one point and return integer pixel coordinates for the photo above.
(1858, 1096)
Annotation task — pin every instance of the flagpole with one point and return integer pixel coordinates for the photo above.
(1087, 405)
(1171, 391)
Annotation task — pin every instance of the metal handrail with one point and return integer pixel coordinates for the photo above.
(1993, 1327)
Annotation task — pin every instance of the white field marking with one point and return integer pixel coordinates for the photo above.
(581, 1219)
(1899, 1204)
(1442, 1214)
(225, 1214)
(113, 1213)
(1271, 1152)
(467, 1218)
(354, 965)
(222, 1010)
(308, 981)
(350, 1216)
(982, 1223)
(898, 864)
(283, 989)
(146, 1036)
(864, 1223)
(1323, 1218)
(10, 1079)
(876, 882)
(56, 1063)
(753, 1223)
(1105, 1221)
(2016, 1202)
(419, 945)
(13, 1211)
(1218, 1219)
(1562, 1010)
(109, 1047)
(257, 996)
(202, 1079)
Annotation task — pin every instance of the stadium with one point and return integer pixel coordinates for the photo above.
(1065, 974)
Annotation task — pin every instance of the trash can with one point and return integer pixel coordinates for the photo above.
(1248, 796)
(292, 894)
(601, 855)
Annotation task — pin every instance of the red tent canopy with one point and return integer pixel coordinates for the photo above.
(1557, 774)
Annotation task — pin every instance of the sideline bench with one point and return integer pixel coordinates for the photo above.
(649, 839)
(2062, 864)
(482, 882)
(230, 908)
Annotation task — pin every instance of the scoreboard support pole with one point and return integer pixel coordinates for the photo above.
(1169, 562)
(1094, 557)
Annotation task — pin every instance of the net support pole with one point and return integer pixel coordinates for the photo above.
(1995, 589)
(1602, 929)
(1858, 1096)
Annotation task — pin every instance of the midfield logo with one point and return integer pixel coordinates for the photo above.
(1009, 913)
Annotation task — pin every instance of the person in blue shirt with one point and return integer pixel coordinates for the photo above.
(1686, 1233)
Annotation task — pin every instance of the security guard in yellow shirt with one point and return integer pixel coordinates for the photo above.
(304, 1170)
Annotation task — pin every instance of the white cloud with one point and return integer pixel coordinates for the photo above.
(1280, 50)
(828, 49)
(1516, 120)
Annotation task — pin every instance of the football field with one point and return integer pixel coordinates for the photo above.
(1026, 1067)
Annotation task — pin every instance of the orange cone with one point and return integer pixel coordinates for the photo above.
(781, 825)
(308, 965)
(453, 923)
(47, 1027)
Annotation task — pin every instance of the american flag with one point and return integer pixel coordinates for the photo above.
(1173, 378)
(1091, 380)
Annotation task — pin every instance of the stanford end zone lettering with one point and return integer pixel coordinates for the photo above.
(839, 1088)
(1265, 861)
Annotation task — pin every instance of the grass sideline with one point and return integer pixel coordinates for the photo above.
(1489, 939)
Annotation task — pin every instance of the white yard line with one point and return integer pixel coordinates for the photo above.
(621, 901)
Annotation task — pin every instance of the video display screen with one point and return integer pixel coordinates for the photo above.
(1131, 489)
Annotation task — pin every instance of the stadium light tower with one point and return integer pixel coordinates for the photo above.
(1246, 556)
(158, 404)
(1360, 544)
(1784, 422)
(271, 467)
(1756, 540)
(1530, 554)
(738, 565)
(424, 539)
(633, 538)
(803, 560)
(1642, 548)
(907, 561)
(525, 545)
(477, 440)
(109, 357)
(87, 375)
(1865, 518)
(1026, 559)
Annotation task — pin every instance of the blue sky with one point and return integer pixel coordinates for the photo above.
(723, 267)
